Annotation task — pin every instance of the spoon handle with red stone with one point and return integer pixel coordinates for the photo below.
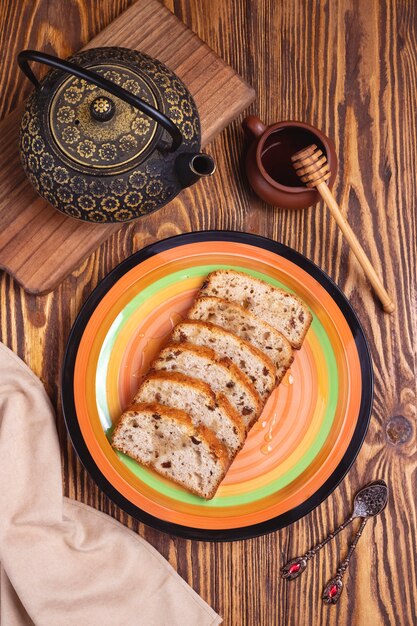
(334, 587)
(296, 566)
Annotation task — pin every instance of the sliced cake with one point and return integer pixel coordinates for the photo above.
(166, 440)
(207, 387)
(247, 326)
(196, 398)
(282, 310)
(250, 360)
(220, 373)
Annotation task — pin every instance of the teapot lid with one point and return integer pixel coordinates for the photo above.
(97, 130)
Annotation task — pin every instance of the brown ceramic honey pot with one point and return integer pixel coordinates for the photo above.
(268, 162)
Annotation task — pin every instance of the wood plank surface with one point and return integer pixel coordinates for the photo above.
(39, 246)
(350, 68)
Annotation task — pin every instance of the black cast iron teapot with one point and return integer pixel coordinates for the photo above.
(110, 134)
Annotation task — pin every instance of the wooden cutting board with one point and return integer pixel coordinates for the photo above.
(39, 246)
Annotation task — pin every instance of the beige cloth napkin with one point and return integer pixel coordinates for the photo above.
(62, 562)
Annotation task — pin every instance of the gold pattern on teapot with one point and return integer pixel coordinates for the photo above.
(69, 173)
(94, 143)
(101, 105)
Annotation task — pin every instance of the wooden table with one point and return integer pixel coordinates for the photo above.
(350, 68)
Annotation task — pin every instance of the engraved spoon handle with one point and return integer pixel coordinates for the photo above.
(296, 566)
(334, 587)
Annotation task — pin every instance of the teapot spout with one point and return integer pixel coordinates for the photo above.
(190, 166)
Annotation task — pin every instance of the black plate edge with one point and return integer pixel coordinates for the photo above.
(247, 532)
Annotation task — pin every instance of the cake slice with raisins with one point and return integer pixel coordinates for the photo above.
(166, 440)
(219, 372)
(198, 400)
(245, 325)
(258, 367)
(282, 310)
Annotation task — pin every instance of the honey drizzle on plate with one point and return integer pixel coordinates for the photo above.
(266, 448)
(174, 319)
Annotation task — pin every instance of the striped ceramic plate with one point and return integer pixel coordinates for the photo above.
(312, 426)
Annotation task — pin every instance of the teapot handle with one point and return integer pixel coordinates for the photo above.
(77, 70)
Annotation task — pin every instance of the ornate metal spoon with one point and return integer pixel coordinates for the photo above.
(372, 500)
(369, 501)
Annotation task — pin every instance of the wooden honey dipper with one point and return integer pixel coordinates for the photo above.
(312, 167)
